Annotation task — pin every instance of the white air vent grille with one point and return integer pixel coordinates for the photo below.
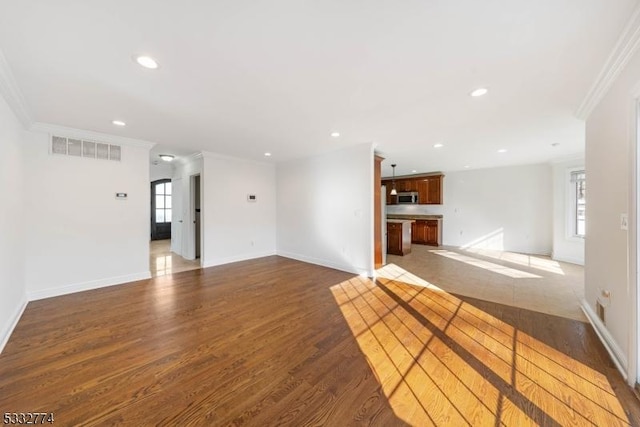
(114, 152)
(89, 149)
(58, 145)
(103, 151)
(74, 147)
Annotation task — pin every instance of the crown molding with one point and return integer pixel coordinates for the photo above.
(12, 94)
(220, 156)
(623, 51)
(89, 135)
(184, 160)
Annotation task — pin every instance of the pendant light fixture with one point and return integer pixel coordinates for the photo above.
(393, 182)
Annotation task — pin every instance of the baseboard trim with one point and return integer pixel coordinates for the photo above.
(326, 263)
(614, 350)
(87, 286)
(14, 319)
(228, 260)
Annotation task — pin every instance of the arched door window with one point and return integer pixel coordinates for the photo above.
(161, 212)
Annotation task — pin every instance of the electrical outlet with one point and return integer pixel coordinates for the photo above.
(624, 221)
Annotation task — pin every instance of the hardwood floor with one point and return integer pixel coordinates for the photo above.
(275, 341)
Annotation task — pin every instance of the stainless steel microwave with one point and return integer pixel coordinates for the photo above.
(408, 198)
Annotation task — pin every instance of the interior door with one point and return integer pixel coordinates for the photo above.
(196, 198)
(178, 217)
(161, 210)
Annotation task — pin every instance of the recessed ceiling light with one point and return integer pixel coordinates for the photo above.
(147, 62)
(467, 166)
(267, 154)
(414, 171)
(335, 134)
(502, 150)
(167, 157)
(479, 92)
(438, 145)
(119, 123)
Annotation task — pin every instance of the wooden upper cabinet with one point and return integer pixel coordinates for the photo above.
(404, 185)
(434, 190)
(429, 188)
(391, 200)
(423, 191)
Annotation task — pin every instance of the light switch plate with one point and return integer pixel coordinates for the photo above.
(624, 221)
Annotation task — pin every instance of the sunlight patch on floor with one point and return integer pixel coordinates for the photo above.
(441, 361)
(394, 272)
(544, 264)
(486, 265)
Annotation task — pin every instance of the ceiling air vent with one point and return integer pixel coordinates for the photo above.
(88, 149)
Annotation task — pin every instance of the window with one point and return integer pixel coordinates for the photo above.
(578, 203)
(163, 202)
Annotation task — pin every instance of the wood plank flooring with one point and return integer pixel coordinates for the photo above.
(275, 341)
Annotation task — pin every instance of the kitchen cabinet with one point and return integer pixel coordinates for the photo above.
(399, 237)
(427, 232)
(405, 185)
(434, 193)
(391, 200)
(423, 191)
(433, 233)
(429, 188)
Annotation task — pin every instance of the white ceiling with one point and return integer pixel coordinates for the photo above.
(243, 77)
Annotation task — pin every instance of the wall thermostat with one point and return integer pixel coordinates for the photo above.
(251, 198)
(121, 196)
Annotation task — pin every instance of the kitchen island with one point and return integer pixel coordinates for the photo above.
(425, 229)
(399, 236)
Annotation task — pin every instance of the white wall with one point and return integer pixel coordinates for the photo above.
(13, 295)
(565, 247)
(325, 209)
(78, 236)
(235, 229)
(507, 208)
(610, 145)
(162, 170)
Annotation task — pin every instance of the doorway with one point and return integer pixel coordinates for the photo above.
(196, 215)
(161, 209)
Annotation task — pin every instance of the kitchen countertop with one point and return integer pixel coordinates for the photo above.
(399, 220)
(411, 217)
